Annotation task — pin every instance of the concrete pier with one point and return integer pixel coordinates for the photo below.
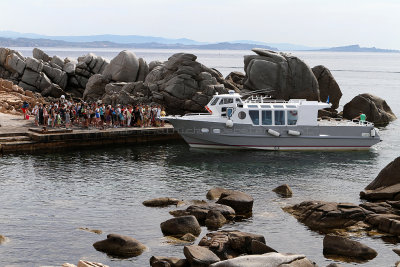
(28, 139)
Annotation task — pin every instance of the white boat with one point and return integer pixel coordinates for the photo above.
(263, 123)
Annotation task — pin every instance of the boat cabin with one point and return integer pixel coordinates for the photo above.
(263, 111)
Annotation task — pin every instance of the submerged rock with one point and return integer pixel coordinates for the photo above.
(161, 202)
(120, 246)
(341, 246)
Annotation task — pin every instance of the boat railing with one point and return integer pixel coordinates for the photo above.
(341, 122)
(196, 114)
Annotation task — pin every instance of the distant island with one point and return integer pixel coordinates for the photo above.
(357, 48)
(16, 39)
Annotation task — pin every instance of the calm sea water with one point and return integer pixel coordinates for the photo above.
(45, 198)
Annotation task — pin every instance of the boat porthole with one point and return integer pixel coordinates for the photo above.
(205, 130)
(242, 115)
(217, 131)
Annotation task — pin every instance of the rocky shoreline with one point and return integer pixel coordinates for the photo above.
(220, 248)
(181, 83)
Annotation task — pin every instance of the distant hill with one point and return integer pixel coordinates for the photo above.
(357, 48)
(28, 42)
(14, 39)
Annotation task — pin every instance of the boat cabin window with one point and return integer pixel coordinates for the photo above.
(292, 116)
(223, 112)
(215, 101)
(242, 115)
(255, 116)
(290, 106)
(238, 100)
(265, 106)
(279, 117)
(278, 106)
(252, 106)
(226, 101)
(266, 117)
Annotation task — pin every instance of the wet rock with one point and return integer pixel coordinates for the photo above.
(199, 256)
(123, 68)
(188, 237)
(120, 246)
(320, 215)
(241, 202)
(328, 87)
(201, 210)
(375, 108)
(341, 246)
(161, 202)
(272, 259)
(40, 55)
(388, 223)
(215, 193)
(95, 231)
(156, 261)
(285, 75)
(258, 247)
(283, 190)
(180, 226)
(95, 88)
(229, 244)
(380, 208)
(215, 219)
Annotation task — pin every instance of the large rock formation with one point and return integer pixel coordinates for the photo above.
(328, 87)
(284, 75)
(50, 76)
(123, 68)
(184, 85)
(376, 109)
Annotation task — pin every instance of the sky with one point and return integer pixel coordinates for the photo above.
(322, 23)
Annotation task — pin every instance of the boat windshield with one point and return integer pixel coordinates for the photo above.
(215, 101)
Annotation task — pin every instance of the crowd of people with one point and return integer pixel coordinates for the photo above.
(67, 114)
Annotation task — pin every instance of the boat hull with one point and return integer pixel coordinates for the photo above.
(202, 134)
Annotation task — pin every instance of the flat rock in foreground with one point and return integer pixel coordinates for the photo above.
(199, 256)
(272, 259)
(321, 215)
